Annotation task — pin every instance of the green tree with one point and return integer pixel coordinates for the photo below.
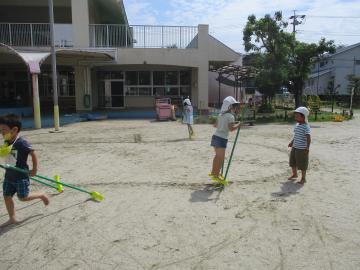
(300, 61)
(331, 86)
(354, 82)
(269, 42)
(284, 60)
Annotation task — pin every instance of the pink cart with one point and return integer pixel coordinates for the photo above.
(164, 109)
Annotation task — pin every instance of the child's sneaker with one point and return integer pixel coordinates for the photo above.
(212, 176)
(219, 179)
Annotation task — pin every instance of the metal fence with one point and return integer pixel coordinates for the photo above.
(101, 35)
(35, 34)
(143, 36)
(25, 34)
(285, 100)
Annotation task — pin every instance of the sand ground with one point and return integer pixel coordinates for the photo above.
(161, 213)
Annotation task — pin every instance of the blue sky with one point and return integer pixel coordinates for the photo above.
(228, 17)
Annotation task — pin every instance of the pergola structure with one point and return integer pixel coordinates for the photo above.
(240, 74)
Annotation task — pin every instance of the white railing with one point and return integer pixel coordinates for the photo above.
(143, 36)
(101, 35)
(35, 34)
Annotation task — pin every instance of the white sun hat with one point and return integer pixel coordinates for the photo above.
(304, 111)
(187, 102)
(228, 101)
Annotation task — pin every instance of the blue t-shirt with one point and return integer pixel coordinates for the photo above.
(18, 157)
(300, 139)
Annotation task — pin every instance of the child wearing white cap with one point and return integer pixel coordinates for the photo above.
(225, 124)
(299, 156)
(188, 117)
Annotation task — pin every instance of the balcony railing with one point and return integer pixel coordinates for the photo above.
(35, 34)
(143, 36)
(109, 35)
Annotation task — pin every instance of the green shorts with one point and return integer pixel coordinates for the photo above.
(299, 158)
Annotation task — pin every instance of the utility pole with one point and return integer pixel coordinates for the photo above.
(53, 62)
(295, 20)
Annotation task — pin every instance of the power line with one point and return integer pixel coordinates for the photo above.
(320, 31)
(333, 17)
(304, 32)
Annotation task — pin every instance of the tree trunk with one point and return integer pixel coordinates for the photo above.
(298, 94)
(298, 99)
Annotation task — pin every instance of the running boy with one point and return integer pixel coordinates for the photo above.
(299, 156)
(225, 124)
(17, 182)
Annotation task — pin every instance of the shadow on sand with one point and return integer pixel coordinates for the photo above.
(34, 218)
(288, 188)
(205, 194)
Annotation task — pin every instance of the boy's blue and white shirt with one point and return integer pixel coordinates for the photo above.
(300, 132)
(18, 157)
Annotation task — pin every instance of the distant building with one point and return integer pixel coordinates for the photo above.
(103, 62)
(337, 67)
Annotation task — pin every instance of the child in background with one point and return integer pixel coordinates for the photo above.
(299, 156)
(17, 182)
(225, 124)
(188, 116)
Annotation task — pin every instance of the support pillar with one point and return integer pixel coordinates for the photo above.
(36, 100)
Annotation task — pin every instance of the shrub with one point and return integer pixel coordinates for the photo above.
(212, 119)
(266, 108)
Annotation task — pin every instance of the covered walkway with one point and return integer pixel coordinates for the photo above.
(81, 59)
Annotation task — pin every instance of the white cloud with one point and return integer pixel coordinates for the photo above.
(140, 12)
(228, 17)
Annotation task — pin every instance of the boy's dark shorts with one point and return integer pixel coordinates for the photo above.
(218, 142)
(299, 158)
(21, 187)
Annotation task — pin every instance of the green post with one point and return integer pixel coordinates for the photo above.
(232, 152)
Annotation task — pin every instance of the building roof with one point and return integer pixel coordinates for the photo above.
(236, 70)
(34, 60)
(344, 49)
(319, 74)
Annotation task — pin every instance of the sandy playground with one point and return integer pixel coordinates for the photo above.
(160, 213)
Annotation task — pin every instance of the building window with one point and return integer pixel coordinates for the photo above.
(172, 91)
(66, 84)
(185, 91)
(131, 78)
(171, 78)
(323, 63)
(15, 89)
(101, 92)
(159, 91)
(159, 78)
(104, 75)
(145, 91)
(152, 83)
(249, 91)
(117, 75)
(185, 78)
(144, 78)
(132, 91)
